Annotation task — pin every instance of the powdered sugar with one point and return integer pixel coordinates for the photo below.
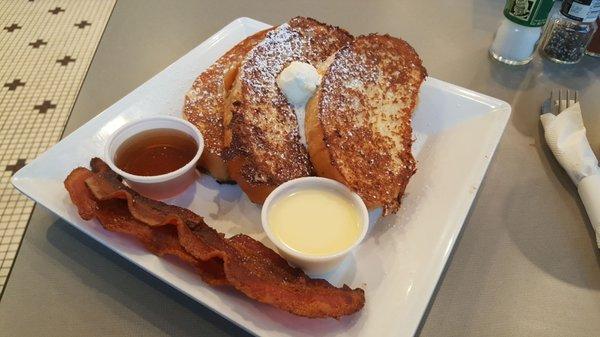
(277, 49)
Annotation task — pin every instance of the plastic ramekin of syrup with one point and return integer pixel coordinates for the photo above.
(156, 156)
(315, 222)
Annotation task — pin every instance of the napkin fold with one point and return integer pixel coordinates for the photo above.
(565, 135)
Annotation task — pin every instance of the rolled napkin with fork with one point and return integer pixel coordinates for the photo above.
(565, 135)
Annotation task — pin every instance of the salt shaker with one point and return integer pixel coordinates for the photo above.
(520, 30)
(570, 30)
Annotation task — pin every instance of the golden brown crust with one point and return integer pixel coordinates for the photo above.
(205, 102)
(261, 130)
(358, 124)
(317, 148)
(257, 193)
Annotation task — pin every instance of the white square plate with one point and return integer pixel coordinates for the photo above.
(399, 262)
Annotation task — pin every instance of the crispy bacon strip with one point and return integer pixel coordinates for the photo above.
(240, 261)
(114, 216)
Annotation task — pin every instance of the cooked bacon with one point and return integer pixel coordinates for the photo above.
(81, 195)
(240, 261)
(114, 216)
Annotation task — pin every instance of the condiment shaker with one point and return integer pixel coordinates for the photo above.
(593, 48)
(570, 30)
(520, 30)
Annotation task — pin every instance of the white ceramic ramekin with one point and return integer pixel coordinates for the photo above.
(314, 265)
(161, 186)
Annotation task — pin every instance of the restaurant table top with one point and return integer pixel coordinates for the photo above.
(525, 264)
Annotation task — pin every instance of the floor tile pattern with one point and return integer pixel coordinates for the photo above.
(46, 47)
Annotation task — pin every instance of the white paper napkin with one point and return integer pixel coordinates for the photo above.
(565, 135)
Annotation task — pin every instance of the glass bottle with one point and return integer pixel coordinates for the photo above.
(520, 30)
(593, 48)
(569, 31)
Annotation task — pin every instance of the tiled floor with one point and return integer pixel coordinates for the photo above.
(46, 47)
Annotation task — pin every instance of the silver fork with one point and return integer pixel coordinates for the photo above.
(565, 100)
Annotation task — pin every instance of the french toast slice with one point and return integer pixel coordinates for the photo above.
(205, 102)
(262, 140)
(358, 123)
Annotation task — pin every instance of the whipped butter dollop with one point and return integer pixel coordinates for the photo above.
(298, 82)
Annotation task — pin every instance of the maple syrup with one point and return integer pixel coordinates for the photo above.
(156, 152)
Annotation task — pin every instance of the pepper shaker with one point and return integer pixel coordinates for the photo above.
(570, 30)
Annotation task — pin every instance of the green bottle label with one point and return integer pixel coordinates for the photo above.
(530, 13)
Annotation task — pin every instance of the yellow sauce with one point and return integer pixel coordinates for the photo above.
(315, 222)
